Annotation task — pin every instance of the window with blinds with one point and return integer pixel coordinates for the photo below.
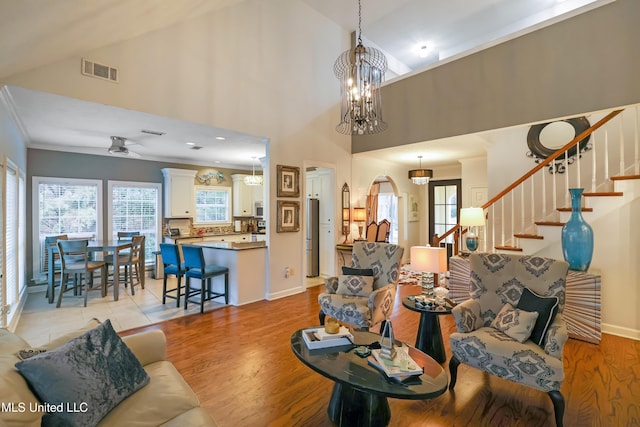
(65, 206)
(136, 206)
(11, 236)
(213, 204)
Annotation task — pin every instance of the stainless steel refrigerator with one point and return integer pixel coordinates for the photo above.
(313, 237)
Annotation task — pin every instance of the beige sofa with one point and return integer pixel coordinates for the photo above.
(166, 400)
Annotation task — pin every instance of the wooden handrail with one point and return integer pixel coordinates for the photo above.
(552, 157)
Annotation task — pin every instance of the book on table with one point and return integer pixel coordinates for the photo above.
(401, 367)
(316, 338)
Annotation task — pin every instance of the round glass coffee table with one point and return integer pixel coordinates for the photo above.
(429, 337)
(360, 393)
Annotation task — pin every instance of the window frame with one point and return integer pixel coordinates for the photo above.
(443, 183)
(229, 216)
(35, 214)
(159, 211)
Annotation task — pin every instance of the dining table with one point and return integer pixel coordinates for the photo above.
(95, 246)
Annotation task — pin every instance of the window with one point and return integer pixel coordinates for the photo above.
(12, 254)
(388, 208)
(64, 206)
(213, 204)
(136, 206)
(444, 205)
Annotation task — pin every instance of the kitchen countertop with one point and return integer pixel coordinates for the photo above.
(233, 246)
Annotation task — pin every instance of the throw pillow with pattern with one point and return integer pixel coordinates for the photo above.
(517, 324)
(355, 285)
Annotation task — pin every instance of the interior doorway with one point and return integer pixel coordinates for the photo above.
(319, 227)
(382, 203)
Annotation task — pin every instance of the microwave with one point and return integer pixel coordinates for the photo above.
(258, 210)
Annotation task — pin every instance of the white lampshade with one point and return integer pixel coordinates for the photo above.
(429, 259)
(359, 214)
(471, 216)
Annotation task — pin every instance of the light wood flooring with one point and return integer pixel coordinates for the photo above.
(239, 362)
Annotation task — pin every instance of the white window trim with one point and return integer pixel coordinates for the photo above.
(156, 185)
(228, 190)
(35, 211)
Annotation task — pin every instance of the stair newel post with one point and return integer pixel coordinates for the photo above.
(522, 207)
(606, 154)
(493, 227)
(533, 199)
(513, 228)
(566, 174)
(544, 196)
(554, 187)
(502, 222)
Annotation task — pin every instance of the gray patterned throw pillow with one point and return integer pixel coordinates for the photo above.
(85, 378)
(355, 285)
(516, 323)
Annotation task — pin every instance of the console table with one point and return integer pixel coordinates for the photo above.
(582, 301)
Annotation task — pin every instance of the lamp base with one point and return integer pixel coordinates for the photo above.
(472, 243)
(427, 285)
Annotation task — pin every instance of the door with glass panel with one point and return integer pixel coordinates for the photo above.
(444, 207)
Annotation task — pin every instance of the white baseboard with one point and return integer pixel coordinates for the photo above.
(621, 331)
(285, 293)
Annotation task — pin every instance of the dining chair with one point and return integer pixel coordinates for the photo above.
(197, 269)
(172, 266)
(372, 232)
(75, 259)
(384, 228)
(56, 267)
(129, 260)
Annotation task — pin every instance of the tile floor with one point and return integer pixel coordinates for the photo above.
(40, 321)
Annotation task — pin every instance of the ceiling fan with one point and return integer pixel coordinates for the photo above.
(118, 147)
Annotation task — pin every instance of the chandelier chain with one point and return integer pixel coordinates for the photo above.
(359, 22)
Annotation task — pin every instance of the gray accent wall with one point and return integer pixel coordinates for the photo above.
(58, 164)
(586, 63)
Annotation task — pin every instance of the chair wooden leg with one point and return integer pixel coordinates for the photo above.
(203, 286)
(63, 287)
(453, 371)
(321, 317)
(558, 406)
(86, 286)
(226, 288)
(164, 290)
(187, 287)
(178, 291)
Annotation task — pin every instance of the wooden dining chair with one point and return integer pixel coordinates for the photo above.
(384, 228)
(372, 232)
(197, 269)
(56, 267)
(129, 261)
(75, 259)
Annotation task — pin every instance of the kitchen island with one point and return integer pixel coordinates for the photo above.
(247, 264)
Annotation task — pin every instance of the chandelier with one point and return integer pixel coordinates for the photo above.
(420, 176)
(361, 72)
(253, 179)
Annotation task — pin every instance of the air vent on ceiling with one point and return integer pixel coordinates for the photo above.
(104, 72)
(152, 132)
(196, 147)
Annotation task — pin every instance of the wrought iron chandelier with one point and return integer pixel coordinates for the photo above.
(420, 176)
(253, 179)
(361, 72)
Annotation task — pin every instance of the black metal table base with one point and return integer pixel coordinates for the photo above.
(429, 339)
(351, 407)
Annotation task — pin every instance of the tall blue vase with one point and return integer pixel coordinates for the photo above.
(577, 235)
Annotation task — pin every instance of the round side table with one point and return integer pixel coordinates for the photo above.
(429, 338)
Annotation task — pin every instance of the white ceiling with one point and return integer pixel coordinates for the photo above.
(34, 33)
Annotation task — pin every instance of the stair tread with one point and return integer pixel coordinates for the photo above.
(569, 209)
(528, 236)
(603, 193)
(554, 223)
(508, 248)
(620, 178)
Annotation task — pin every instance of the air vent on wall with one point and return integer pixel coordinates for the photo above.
(104, 72)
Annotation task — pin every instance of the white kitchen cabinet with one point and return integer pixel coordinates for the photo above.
(179, 199)
(245, 237)
(320, 186)
(242, 196)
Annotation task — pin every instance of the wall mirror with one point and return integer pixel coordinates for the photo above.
(346, 210)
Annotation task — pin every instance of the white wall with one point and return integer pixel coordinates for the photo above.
(264, 68)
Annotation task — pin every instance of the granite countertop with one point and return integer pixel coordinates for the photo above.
(233, 246)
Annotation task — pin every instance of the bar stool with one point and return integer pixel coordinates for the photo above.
(172, 265)
(76, 260)
(196, 268)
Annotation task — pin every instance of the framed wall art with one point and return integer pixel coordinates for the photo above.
(413, 209)
(288, 181)
(288, 216)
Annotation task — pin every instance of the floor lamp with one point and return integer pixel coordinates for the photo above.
(429, 259)
(472, 218)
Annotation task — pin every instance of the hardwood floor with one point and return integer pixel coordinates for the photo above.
(239, 362)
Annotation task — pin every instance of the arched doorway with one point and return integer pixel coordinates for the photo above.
(382, 203)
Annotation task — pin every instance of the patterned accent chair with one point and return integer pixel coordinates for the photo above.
(359, 310)
(498, 279)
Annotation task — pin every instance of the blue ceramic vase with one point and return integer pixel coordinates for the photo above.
(577, 235)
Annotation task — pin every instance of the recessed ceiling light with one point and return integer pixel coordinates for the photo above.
(216, 161)
(220, 138)
(423, 50)
(190, 143)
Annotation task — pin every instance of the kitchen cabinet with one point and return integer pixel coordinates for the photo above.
(179, 198)
(320, 186)
(326, 257)
(242, 196)
(246, 237)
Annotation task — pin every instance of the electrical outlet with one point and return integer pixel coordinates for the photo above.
(292, 271)
(287, 272)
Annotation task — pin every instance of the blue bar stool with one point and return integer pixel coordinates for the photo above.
(172, 265)
(196, 268)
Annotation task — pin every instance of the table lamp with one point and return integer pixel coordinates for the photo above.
(472, 218)
(359, 217)
(429, 259)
